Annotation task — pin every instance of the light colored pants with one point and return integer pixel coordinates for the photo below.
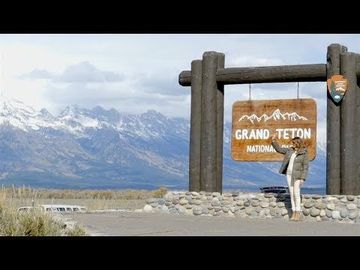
(294, 188)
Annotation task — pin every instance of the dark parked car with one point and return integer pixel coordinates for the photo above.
(275, 189)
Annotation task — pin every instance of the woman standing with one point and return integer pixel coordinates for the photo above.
(295, 165)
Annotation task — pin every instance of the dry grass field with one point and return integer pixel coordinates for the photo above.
(37, 223)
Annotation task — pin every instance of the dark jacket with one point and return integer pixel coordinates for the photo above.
(301, 162)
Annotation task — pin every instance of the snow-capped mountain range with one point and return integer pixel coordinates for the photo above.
(276, 115)
(98, 148)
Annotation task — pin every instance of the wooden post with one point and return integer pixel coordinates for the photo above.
(208, 171)
(219, 126)
(333, 124)
(195, 126)
(349, 129)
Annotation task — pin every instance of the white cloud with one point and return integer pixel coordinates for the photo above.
(138, 72)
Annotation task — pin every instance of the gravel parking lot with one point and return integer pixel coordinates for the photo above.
(129, 223)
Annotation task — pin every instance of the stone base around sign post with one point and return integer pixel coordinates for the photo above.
(342, 208)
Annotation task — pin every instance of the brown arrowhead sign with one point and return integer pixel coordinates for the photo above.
(337, 86)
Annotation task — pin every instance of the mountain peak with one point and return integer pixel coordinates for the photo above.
(70, 110)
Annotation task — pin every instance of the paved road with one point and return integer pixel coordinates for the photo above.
(156, 224)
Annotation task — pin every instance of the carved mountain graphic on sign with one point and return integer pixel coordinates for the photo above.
(277, 115)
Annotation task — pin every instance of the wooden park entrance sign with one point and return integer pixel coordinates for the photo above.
(207, 78)
(254, 121)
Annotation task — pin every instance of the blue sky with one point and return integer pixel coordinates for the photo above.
(134, 73)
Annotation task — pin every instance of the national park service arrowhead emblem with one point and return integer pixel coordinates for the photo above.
(337, 86)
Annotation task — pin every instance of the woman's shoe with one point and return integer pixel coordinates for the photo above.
(293, 215)
(298, 215)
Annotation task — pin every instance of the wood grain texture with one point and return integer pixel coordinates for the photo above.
(208, 123)
(349, 129)
(253, 123)
(219, 127)
(333, 178)
(195, 126)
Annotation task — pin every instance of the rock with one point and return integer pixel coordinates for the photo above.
(257, 209)
(194, 193)
(330, 206)
(183, 201)
(161, 201)
(272, 211)
(353, 214)
(272, 199)
(262, 213)
(235, 194)
(272, 204)
(351, 206)
(164, 209)
(268, 195)
(344, 212)
(350, 197)
(278, 211)
(314, 212)
(247, 203)
(318, 218)
(322, 213)
(205, 211)
(248, 210)
(225, 209)
(138, 210)
(240, 202)
(173, 211)
(181, 209)
(168, 196)
(217, 208)
(280, 204)
(328, 213)
(264, 204)
(267, 211)
(175, 201)
(168, 203)
(197, 202)
(148, 209)
(316, 197)
(188, 206)
(320, 205)
(226, 203)
(150, 200)
(255, 203)
(215, 202)
(306, 212)
(230, 214)
(154, 204)
(309, 204)
(188, 193)
(226, 195)
(236, 209)
(343, 199)
(197, 210)
(335, 214)
(284, 212)
(216, 194)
